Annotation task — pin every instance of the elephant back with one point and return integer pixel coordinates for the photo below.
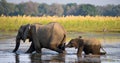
(50, 34)
(58, 35)
(92, 41)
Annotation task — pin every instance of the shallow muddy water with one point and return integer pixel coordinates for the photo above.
(110, 42)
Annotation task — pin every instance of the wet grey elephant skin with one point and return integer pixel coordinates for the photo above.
(88, 45)
(51, 36)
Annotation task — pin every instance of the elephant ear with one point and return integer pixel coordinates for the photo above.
(81, 42)
(26, 32)
(21, 32)
(78, 42)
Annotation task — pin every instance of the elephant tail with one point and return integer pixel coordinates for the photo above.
(104, 52)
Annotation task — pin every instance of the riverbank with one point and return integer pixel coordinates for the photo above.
(70, 23)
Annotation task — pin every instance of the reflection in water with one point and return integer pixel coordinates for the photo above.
(83, 59)
(17, 60)
(35, 58)
(89, 59)
(38, 58)
(59, 58)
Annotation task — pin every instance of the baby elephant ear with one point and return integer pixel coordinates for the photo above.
(76, 43)
(81, 42)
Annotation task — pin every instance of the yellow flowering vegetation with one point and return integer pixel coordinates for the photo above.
(70, 23)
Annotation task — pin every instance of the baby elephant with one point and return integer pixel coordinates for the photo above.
(87, 45)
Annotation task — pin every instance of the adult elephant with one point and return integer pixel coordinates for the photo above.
(51, 36)
(91, 45)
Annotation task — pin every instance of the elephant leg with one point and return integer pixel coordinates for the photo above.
(96, 50)
(79, 52)
(35, 39)
(31, 48)
(38, 48)
(63, 42)
(36, 45)
(58, 50)
(62, 46)
(86, 51)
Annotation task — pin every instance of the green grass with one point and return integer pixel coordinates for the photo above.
(70, 23)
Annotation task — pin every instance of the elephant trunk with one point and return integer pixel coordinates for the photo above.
(17, 45)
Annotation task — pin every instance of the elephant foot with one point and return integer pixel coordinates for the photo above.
(38, 51)
(29, 51)
(62, 46)
(59, 50)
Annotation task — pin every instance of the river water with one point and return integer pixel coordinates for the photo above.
(110, 42)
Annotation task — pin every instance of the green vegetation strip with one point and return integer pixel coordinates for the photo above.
(70, 23)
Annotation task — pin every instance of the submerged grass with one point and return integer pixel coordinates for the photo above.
(70, 23)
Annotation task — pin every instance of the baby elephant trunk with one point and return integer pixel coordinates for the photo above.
(69, 45)
(104, 52)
